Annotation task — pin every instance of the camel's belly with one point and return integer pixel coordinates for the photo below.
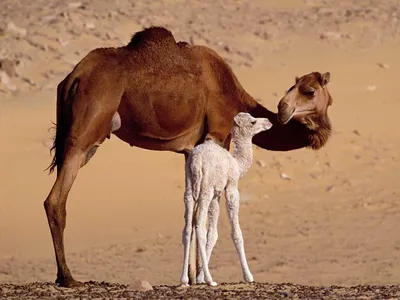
(183, 143)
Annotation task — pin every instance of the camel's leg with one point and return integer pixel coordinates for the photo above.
(193, 257)
(203, 205)
(186, 235)
(232, 205)
(55, 206)
(212, 233)
(193, 241)
(80, 147)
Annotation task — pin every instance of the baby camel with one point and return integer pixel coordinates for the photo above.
(211, 169)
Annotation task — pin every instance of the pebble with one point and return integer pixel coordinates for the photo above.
(90, 25)
(285, 176)
(382, 65)
(14, 29)
(29, 81)
(329, 188)
(261, 163)
(330, 35)
(6, 82)
(75, 5)
(140, 285)
(8, 66)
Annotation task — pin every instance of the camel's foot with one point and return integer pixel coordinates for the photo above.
(200, 278)
(212, 283)
(248, 277)
(184, 284)
(67, 282)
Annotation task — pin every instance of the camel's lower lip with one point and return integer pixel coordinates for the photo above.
(283, 119)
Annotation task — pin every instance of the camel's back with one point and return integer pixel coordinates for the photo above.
(151, 51)
(155, 50)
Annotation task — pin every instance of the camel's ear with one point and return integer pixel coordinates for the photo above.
(238, 119)
(296, 79)
(325, 78)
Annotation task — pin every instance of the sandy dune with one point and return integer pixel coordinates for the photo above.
(334, 222)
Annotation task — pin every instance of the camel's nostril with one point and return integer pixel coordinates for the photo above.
(282, 105)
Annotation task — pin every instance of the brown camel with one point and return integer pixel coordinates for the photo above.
(158, 94)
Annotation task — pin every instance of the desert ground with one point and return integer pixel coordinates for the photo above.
(321, 221)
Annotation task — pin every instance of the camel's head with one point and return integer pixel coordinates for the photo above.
(308, 99)
(248, 126)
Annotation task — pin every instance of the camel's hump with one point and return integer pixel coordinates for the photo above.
(152, 35)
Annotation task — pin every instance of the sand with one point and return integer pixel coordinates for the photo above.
(334, 222)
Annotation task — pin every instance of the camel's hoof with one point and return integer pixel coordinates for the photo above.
(249, 278)
(212, 283)
(184, 284)
(200, 279)
(68, 282)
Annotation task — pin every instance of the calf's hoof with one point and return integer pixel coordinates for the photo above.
(248, 278)
(200, 279)
(212, 283)
(184, 284)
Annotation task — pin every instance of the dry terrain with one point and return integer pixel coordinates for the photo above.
(321, 221)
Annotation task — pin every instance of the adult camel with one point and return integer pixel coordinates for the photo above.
(157, 94)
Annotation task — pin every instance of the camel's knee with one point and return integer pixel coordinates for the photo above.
(90, 154)
(55, 212)
(212, 236)
(231, 195)
(186, 234)
(201, 233)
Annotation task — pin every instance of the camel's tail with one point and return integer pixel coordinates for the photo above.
(66, 90)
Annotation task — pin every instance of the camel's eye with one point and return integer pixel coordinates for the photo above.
(253, 122)
(309, 93)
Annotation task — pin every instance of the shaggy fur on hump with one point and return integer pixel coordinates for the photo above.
(152, 35)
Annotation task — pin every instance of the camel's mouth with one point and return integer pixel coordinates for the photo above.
(285, 116)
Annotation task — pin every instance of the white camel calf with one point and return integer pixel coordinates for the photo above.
(210, 170)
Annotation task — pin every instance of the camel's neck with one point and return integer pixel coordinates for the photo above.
(242, 152)
(291, 136)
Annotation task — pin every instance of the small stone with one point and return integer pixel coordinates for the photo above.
(285, 176)
(330, 35)
(227, 49)
(29, 81)
(371, 88)
(286, 294)
(261, 163)
(382, 65)
(90, 25)
(7, 66)
(12, 28)
(5, 80)
(140, 249)
(329, 188)
(356, 132)
(140, 285)
(75, 5)
(62, 42)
